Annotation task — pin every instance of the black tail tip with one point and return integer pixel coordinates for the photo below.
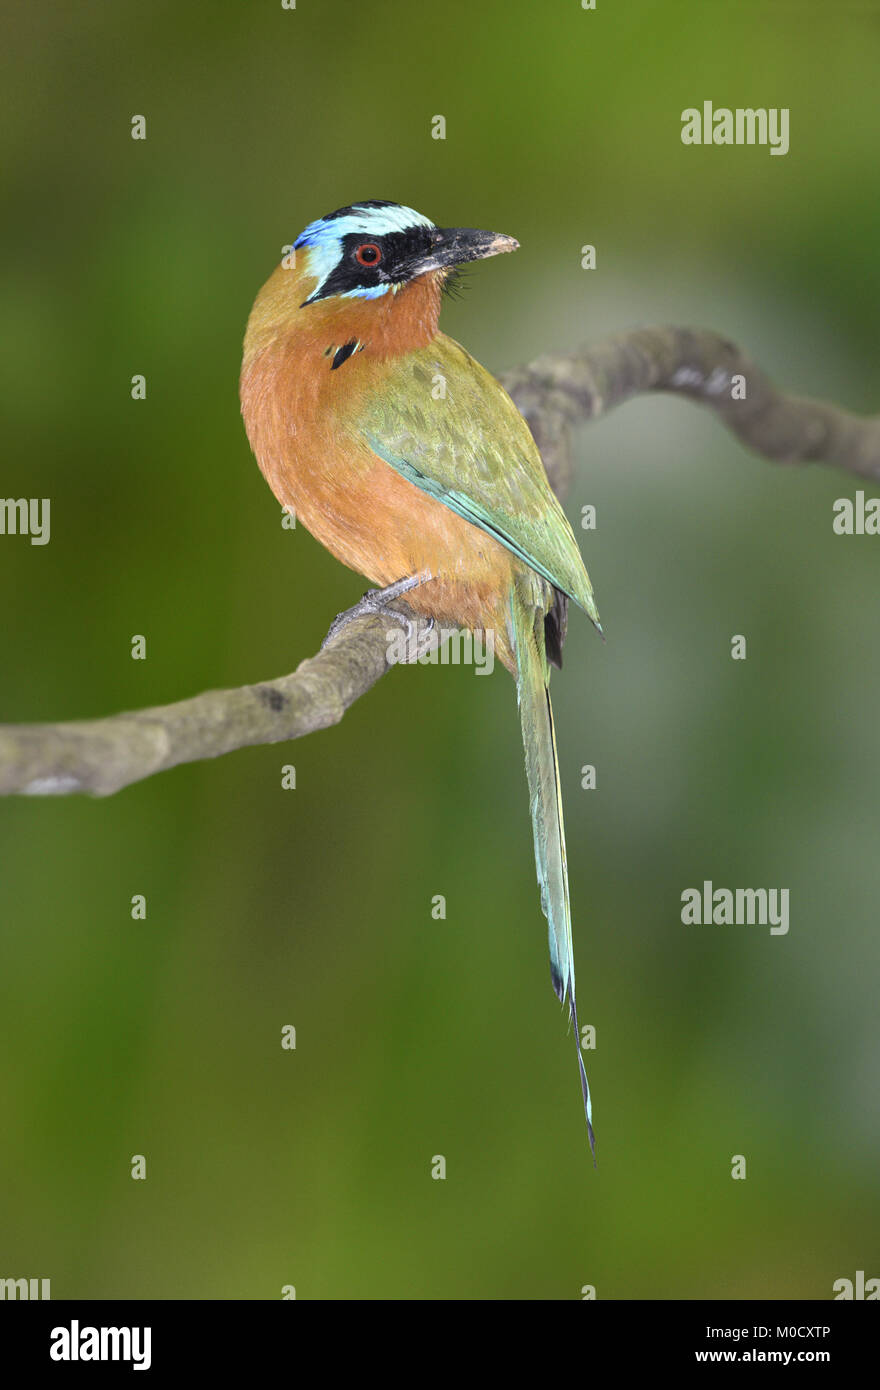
(557, 982)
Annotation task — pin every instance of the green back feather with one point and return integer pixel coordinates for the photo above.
(446, 425)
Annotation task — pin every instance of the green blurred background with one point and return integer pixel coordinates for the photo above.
(312, 907)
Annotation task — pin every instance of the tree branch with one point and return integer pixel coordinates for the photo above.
(553, 393)
(557, 391)
(102, 755)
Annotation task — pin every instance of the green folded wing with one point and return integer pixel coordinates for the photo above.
(444, 423)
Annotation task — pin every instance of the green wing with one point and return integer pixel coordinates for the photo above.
(473, 451)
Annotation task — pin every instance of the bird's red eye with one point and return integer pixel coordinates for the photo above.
(369, 254)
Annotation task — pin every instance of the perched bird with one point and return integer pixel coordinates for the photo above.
(440, 495)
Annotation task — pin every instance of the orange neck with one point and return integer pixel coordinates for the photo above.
(393, 324)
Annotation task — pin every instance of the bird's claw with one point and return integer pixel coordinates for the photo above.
(377, 601)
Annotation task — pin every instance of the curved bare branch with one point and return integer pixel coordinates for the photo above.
(553, 393)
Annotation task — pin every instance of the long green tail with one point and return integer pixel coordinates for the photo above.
(542, 768)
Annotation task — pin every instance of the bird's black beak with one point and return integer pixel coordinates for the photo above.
(455, 245)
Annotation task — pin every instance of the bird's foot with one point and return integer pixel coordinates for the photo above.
(378, 601)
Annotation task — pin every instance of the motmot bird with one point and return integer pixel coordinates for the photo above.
(440, 495)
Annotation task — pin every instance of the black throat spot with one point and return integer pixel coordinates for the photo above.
(342, 354)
